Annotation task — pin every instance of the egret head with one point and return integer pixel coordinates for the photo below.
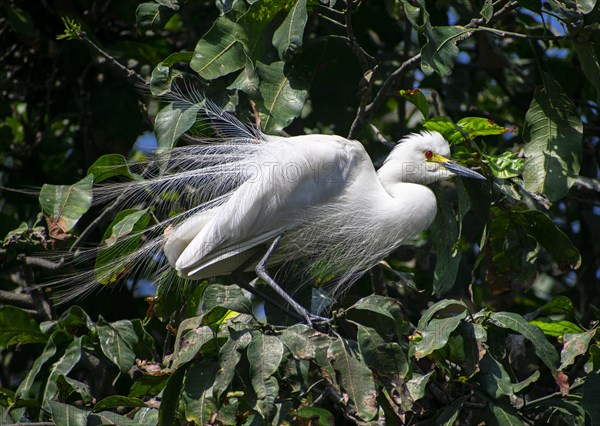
(423, 158)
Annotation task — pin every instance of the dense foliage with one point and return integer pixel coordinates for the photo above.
(489, 317)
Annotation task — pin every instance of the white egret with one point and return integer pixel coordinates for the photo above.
(252, 201)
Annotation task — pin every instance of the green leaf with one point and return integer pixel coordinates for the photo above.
(418, 99)
(283, 95)
(163, 74)
(148, 385)
(118, 401)
(153, 16)
(172, 122)
(354, 377)
(64, 205)
(506, 165)
(493, 377)
(556, 242)
(435, 336)
(588, 52)
(543, 349)
(518, 387)
(415, 387)
(487, 10)
(560, 305)
(440, 51)
(575, 345)
(446, 307)
(18, 328)
(197, 392)
(387, 358)
(65, 414)
(171, 396)
(299, 339)
(264, 355)
(444, 234)
(73, 320)
(321, 416)
(108, 166)
(449, 414)
(118, 340)
(122, 238)
(110, 418)
(554, 142)
(288, 37)
(220, 51)
(230, 297)
(193, 338)
(478, 126)
(229, 357)
(61, 367)
(556, 328)
(503, 414)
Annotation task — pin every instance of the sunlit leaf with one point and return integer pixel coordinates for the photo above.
(60, 367)
(172, 122)
(220, 51)
(264, 355)
(288, 37)
(229, 357)
(64, 205)
(118, 340)
(575, 345)
(109, 165)
(556, 328)
(440, 52)
(283, 95)
(354, 377)
(553, 148)
(153, 16)
(418, 99)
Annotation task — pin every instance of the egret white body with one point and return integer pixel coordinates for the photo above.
(312, 197)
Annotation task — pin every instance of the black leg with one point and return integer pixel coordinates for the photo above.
(261, 271)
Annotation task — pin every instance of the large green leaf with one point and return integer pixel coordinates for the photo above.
(229, 357)
(153, 16)
(440, 51)
(283, 95)
(61, 367)
(444, 234)
(64, 205)
(354, 377)
(436, 334)
(264, 355)
(197, 393)
(387, 358)
(554, 142)
(543, 349)
(221, 50)
(288, 37)
(66, 414)
(172, 122)
(18, 328)
(109, 165)
(118, 340)
(588, 52)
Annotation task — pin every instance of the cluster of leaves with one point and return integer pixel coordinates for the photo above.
(515, 353)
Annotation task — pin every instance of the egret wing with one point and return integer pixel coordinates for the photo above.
(291, 175)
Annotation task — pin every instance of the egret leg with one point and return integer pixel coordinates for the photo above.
(261, 271)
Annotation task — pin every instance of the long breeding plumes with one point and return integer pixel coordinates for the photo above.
(218, 203)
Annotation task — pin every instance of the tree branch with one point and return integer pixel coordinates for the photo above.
(389, 85)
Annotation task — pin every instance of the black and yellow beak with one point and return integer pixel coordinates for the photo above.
(454, 167)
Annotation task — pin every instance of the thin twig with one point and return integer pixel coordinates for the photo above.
(17, 299)
(41, 262)
(131, 75)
